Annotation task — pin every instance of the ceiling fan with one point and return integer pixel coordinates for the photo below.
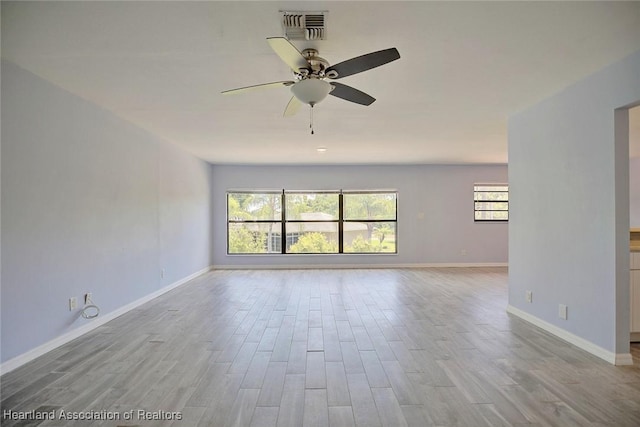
(311, 72)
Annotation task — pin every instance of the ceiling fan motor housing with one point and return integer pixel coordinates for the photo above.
(316, 63)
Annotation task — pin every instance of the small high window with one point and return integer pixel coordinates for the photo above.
(491, 202)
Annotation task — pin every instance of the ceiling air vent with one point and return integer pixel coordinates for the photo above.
(304, 25)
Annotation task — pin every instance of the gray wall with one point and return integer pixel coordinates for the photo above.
(90, 204)
(569, 182)
(443, 195)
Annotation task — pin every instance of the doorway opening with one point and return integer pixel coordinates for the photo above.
(634, 225)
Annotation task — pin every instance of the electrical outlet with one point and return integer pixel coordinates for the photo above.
(87, 297)
(73, 303)
(562, 311)
(529, 296)
(463, 252)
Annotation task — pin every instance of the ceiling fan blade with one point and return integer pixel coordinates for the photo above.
(292, 107)
(288, 53)
(363, 63)
(351, 94)
(256, 87)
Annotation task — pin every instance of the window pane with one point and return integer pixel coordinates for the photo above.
(491, 188)
(491, 215)
(491, 195)
(312, 206)
(369, 206)
(254, 238)
(312, 237)
(492, 206)
(369, 237)
(254, 206)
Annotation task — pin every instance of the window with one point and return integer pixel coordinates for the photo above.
(254, 222)
(312, 222)
(369, 224)
(491, 202)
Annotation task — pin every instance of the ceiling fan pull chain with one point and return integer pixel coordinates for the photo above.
(311, 119)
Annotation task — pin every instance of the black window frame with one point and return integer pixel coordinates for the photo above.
(479, 200)
(281, 224)
(369, 220)
(256, 222)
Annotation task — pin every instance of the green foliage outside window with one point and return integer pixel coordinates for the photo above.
(241, 240)
(313, 243)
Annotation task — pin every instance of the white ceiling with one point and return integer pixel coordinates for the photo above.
(464, 68)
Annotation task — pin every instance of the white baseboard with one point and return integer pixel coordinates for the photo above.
(618, 359)
(354, 266)
(20, 360)
(624, 359)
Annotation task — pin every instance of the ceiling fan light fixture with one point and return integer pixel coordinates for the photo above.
(311, 91)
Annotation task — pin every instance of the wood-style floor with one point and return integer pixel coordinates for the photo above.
(420, 347)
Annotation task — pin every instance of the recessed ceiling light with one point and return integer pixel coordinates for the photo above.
(321, 149)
